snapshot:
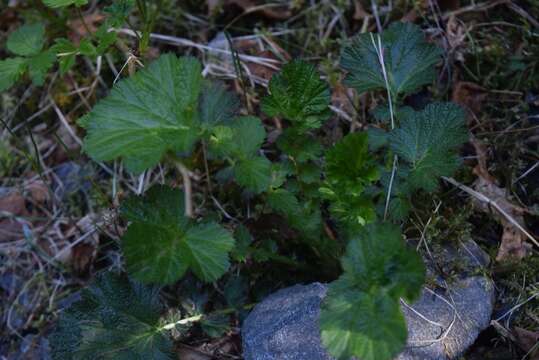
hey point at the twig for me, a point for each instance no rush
(483, 198)
(186, 188)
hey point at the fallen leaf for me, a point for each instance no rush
(527, 339)
(10, 230)
(82, 256)
(469, 95)
(13, 203)
(359, 11)
(80, 28)
(261, 71)
(513, 241)
(38, 191)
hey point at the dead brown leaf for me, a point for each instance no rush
(513, 242)
(527, 339)
(10, 229)
(469, 95)
(13, 203)
(359, 11)
(38, 191)
(80, 29)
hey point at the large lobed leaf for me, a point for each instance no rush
(428, 140)
(115, 319)
(361, 315)
(299, 95)
(28, 40)
(144, 116)
(409, 60)
(161, 244)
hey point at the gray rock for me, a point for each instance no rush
(442, 324)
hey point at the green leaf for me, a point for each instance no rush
(253, 173)
(360, 325)
(39, 65)
(302, 147)
(161, 243)
(27, 40)
(144, 116)
(118, 12)
(377, 259)
(217, 105)
(66, 52)
(243, 242)
(299, 95)
(409, 60)
(349, 161)
(215, 325)
(378, 270)
(240, 139)
(116, 319)
(283, 201)
(10, 71)
(64, 3)
(86, 48)
(428, 141)
(249, 134)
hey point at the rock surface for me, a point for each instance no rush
(442, 324)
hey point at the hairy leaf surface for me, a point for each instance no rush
(378, 270)
(428, 141)
(240, 141)
(161, 244)
(409, 60)
(361, 325)
(146, 115)
(299, 95)
(116, 318)
(349, 161)
(10, 71)
(27, 40)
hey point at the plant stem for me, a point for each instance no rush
(199, 317)
(186, 188)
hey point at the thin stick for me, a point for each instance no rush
(493, 203)
(380, 52)
(186, 188)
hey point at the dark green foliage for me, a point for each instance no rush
(161, 243)
(378, 270)
(147, 114)
(298, 95)
(409, 60)
(27, 43)
(349, 170)
(116, 318)
(427, 141)
(239, 143)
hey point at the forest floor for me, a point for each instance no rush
(54, 230)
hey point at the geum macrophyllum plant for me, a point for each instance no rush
(167, 110)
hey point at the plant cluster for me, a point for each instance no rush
(344, 202)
